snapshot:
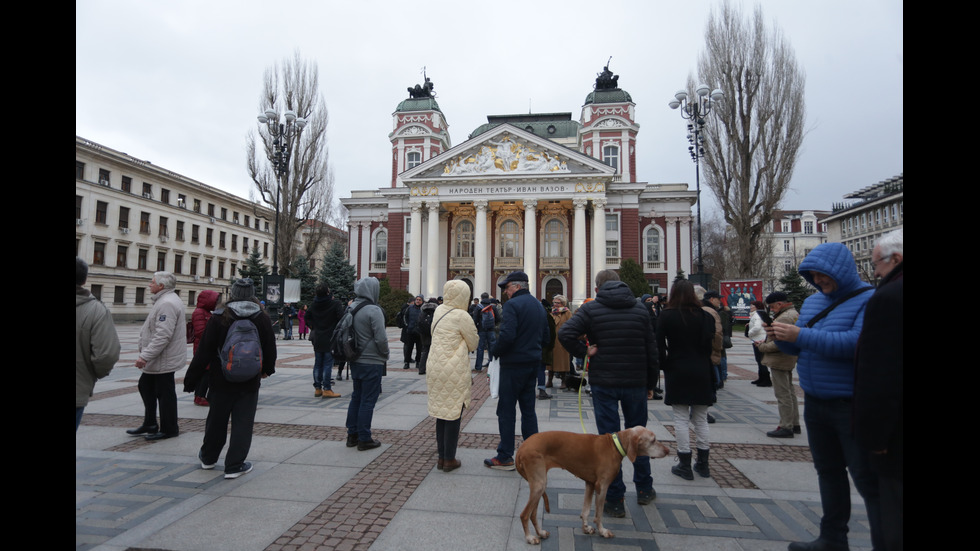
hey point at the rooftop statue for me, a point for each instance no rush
(423, 91)
(606, 80)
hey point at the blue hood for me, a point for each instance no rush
(836, 261)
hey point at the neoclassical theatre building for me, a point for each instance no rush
(554, 197)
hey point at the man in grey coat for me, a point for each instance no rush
(367, 370)
(96, 341)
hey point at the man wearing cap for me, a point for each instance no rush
(163, 351)
(825, 340)
(410, 333)
(523, 335)
(488, 336)
(229, 399)
(781, 368)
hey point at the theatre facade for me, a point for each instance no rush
(556, 198)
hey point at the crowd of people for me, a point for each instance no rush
(845, 343)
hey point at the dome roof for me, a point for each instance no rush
(614, 95)
(418, 104)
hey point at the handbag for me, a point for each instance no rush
(493, 371)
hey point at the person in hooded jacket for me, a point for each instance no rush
(322, 319)
(448, 377)
(96, 342)
(425, 331)
(207, 301)
(366, 370)
(825, 339)
(235, 400)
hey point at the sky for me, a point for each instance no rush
(177, 83)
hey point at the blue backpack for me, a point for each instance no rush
(241, 355)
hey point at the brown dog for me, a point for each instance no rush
(593, 458)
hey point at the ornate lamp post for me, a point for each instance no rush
(283, 131)
(696, 111)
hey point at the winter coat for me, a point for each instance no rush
(207, 301)
(214, 339)
(411, 315)
(425, 323)
(826, 351)
(560, 358)
(772, 357)
(523, 332)
(301, 316)
(163, 337)
(322, 317)
(548, 349)
(620, 328)
(369, 323)
(96, 344)
(685, 340)
(757, 333)
(447, 369)
(718, 341)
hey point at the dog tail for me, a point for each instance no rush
(547, 507)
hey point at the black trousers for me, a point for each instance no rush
(240, 407)
(447, 437)
(159, 388)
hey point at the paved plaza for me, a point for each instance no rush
(308, 491)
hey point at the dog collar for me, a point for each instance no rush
(618, 445)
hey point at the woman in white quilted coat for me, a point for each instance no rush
(448, 368)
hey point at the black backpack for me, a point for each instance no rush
(241, 355)
(344, 347)
(487, 320)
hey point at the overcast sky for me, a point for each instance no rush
(177, 83)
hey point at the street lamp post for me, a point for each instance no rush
(283, 132)
(696, 111)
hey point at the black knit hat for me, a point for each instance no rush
(242, 289)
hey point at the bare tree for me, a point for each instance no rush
(751, 152)
(307, 193)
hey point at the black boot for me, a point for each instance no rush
(683, 468)
(701, 464)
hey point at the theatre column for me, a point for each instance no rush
(598, 237)
(432, 279)
(415, 251)
(530, 244)
(365, 257)
(353, 230)
(481, 264)
(579, 274)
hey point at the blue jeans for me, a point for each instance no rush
(835, 452)
(487, 341)
(322, 368)
(367, 388)
(606, 402)
(723, 369)
(516, 389)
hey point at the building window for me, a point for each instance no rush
(554, 239)
(234, 266)
(211, 210)
(787, 266)
(182, 200)
(103, 177)
(78, 207)
(234, 217)
(246, 220)
(207, 267)
(140, 295)
(123, 217)
(118, 294)
(234, 242)
(79, 170)
(121, 251)
(380, 246)
(145, 223)
(510, 235)
(142, 259)
(612, 250)
(406, 255)
(165, 196)
(178, 263)
(414, 159)
(221, 269)
(265, 249)
(224, 213)
(164, 232)
(612, 223)
(193, 265)
(148, 190)
(197, 205)
(808, 227)
(221, 240)
(127, 184)
(245, 245)
(785, 245)
(651, 238)
(161, 261)
(101, 212)
(610, 156)
(195, 234)
(96, 291)
(191, 295)
(180, 230)
(98, 254)
(209, 240)
(464, 239)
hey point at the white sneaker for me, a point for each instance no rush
(245, 468)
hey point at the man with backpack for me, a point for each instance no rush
(368, 366)
(240, 346)
(322, 318)
(486, 317)
(408, 321)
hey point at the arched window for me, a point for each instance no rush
(610, 156)
(464, 239)
(652, 244)
(510, 235)
(554, 239)
(413, 159)
(380, 246)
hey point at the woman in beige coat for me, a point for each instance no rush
(447, 375)
(561, 360)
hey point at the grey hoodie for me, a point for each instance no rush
(369, 323)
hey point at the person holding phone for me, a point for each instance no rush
(756, 331)
(781, 367)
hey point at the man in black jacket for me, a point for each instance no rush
(230, 399)
(622, 369)
(322, 318)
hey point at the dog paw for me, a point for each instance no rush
(588, 529)
(544, 534)
(606, 533)
(533, 540)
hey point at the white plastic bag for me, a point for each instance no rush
(493, 371)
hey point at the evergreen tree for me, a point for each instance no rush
(254, 267)
(793, 284)
(338, 273)
(392, 300)
(300, 270)
(631, 273)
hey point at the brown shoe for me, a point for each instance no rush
(451, 465)
(317, 393)
(441, 463)
(330, 394)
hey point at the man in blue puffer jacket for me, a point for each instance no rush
(826, 350)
